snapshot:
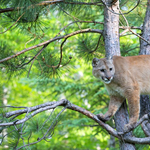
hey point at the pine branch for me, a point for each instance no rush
(46, 3)
(52, 40)
(43, 3)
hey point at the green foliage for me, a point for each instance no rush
(40, 82)
(138, 132)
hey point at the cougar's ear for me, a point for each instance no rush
(95, 61)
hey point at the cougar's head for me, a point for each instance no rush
(103, 69)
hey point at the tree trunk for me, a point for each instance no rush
(111, 30)
(145, 47)
(145, 50)
(112, 47)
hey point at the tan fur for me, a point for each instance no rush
(124, 77)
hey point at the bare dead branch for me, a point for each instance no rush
(34, 108)
(139, 36)
(52, 105)
(132, 27)
(51, 40)
(66, 104)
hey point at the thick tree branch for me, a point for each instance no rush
(52, 105)
(136, 140)
(146, 127)
(65, 103)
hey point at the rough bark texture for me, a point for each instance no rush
(121, 118)
(145, 50)
(111, 31)
(112, 47)
(145, 47)
(144, 105)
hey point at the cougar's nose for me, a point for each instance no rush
(108, 78)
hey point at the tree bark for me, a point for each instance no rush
(145, 50)
(112, 47)
(145, 47)
(111, 30)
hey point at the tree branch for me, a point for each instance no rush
(46, 3)
(51, 40)
(43, 3)
(65, 103)
(108, 6)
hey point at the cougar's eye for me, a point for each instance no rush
(102, 70)
(110, 69)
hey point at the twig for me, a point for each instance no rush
(131, 49)
(61, 53)
(12, 24)
(47, 118)
(81, 21)
(139, 36)
(83, 3)
(97, 44)
(119, 13)
(13, 106)
(132, 27)
(129, 29)
(35, 58)
(52, 125)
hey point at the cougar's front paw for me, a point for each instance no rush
(128, 127)
(102, 117)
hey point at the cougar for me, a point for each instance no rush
(124, 78)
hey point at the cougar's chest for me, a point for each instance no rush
(114, 89)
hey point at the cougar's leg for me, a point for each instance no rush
(114, 105)
(133, 97)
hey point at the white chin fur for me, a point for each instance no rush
(107, 82)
